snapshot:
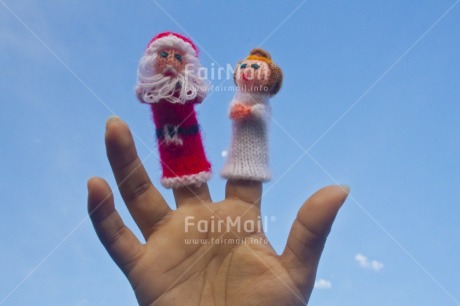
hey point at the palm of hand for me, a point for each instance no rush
(214, 267)
(192, 255)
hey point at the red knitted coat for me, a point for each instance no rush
(182, 156)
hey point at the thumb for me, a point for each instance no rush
(309, 232)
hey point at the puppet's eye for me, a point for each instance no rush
(164, 54)
(243, 66)
(255, 66)
(178, 57)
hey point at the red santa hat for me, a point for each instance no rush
(172, 40)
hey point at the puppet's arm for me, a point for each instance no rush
(239, 110)
(259, 110)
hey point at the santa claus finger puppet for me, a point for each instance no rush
(258, 78)
(169, 81)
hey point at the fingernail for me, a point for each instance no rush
(113, 118)
(345, 188)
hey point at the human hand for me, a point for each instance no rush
(240, 111)
(165, 270)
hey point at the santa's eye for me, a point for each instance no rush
(178, 57)
(255, 66)
(164, 54)
(242, 66)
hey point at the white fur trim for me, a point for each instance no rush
(171, 41)
(194, 179)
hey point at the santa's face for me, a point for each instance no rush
(169, 74)
(169, 62)
(252, 75)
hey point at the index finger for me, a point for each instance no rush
(144, 201)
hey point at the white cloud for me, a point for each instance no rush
(361, 259)
(224, 153)
(364, 262)
(376, 265)
(323, 284)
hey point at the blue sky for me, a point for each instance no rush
(371, 98)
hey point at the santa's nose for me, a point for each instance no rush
(169, 70)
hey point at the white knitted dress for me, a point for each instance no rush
(248, 153)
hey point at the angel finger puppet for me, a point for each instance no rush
(168, 80)
(257, 78)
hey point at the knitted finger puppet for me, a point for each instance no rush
(257, 79)
(169, 81)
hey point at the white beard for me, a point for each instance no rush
(180, 88)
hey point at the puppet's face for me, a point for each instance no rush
(252, 75)
(170, 62)
(162, 74)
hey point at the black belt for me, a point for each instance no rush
(172, 130)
